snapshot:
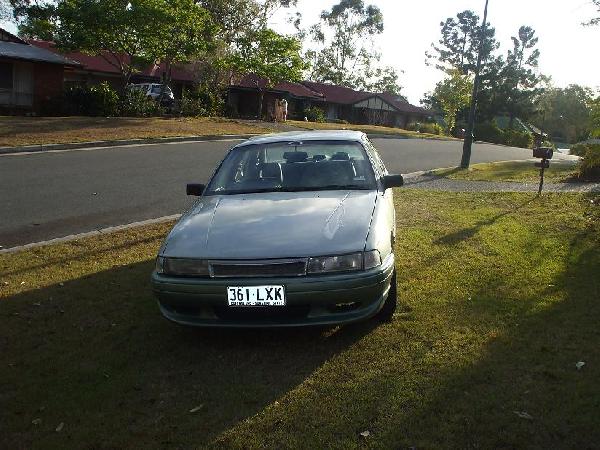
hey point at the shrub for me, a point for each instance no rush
(430, 128)
(97, 100)
(589, 164)
(202, 101)
(489, 132)
(314, 114)
(135, 103)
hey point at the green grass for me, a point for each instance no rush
(500, 299)
(521, 171)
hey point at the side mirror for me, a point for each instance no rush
(391, 181)
(195, 189)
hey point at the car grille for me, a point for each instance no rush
(268, 268)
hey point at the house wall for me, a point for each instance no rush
(47, 83)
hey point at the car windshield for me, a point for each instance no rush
(157, 88)
(294, 166)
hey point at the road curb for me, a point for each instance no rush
(73, 237)
(118, 143)
(153, 141)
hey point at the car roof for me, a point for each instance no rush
(325, 135)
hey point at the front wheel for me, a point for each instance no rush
(391, 302)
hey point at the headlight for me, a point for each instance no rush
(342, 263)
(182, 267)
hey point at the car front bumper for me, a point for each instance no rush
(312, 300)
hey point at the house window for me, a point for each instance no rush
(6, 75)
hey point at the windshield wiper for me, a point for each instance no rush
(329, 187)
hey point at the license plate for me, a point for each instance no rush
(256, 296)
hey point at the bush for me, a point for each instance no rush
(489, 132)
(430, 128)
(135, 103)
(98, 100)
(314, 114)
(589, 164)
(202, 101)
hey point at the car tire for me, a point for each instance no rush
(386, 313)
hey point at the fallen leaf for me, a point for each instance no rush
(365, 434)
(580, 365)
(196, 409)
(523, 415)
(22, 283)
(60, 427)
(36, 421)
(61, 284)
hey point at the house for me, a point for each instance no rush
(243, 97)
(342, 103)
(338, 103)
(95, 69)
(29, 76)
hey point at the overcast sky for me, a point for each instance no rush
(570, 53)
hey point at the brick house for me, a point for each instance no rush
(337, 102)
(29, 76)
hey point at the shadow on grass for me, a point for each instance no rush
(469, 232)
(96, 355)
(528, 368)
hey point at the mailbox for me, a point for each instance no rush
(543, 152)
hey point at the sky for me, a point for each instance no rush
(570, 53)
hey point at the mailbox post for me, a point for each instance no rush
(545, 154)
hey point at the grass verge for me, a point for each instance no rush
(15, 131)
(499, 300)
(560, 171)
(374, 129)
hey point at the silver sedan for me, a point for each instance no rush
(292, 229)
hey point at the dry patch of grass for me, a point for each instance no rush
(15, 131)
(519, 171)
(499, 297)
(374, 129)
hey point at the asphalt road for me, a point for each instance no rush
(49, 195)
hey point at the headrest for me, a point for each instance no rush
(271, 170)
(293, 157)
(340, 156)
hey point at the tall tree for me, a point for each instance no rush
(35, 18)
(459, 43)
(344, 52)
(519, 79)
(270, 56)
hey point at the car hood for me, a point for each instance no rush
(273, 225)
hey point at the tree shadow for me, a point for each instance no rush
(95, 354)
(468, 232)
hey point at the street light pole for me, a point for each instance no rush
(466, 156)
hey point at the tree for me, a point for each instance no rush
(459, 44)
(119, 31)
(518, 81)
(595, 117)
(182, 31)
(35, 18)
(452, 95)
(566, 113)
(270, 56)
(344, 52)
(595, 20)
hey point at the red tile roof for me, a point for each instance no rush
(96, 63)
(296, 89)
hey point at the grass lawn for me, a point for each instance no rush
(16, 131)
(523, 171)
(500, 299)
(365, 129)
